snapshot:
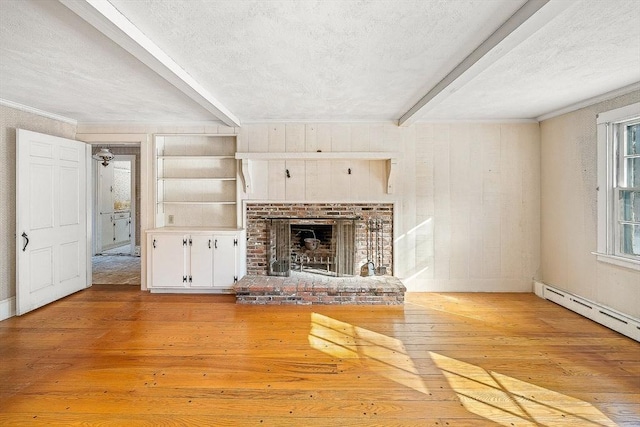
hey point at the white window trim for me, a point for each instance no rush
(605, 127)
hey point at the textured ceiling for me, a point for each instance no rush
(312, 60)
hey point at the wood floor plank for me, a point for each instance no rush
(112, 355)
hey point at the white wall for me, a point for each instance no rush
(467, 195)
(569, 214)
(10, 119)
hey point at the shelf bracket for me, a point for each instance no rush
(246, 175)
(392, 167)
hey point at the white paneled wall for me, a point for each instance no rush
(467, 196)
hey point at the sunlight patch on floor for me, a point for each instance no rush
(383, 355)
(509, 401)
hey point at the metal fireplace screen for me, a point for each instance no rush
(281, 256)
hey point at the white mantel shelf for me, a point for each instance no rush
(391, 157)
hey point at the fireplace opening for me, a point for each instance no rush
(372, 242)
(313, 248)
(320, 246)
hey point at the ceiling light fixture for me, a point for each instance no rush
(104, 155)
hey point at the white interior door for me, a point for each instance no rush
(52, 207)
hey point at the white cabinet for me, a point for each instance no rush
(121, 228)
(182, 260)
(115, 229)
(225, 253)
(167, 261)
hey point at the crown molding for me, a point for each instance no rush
(36, 111)
(591, 101)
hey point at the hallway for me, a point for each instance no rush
(116, 270)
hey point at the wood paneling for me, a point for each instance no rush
(112, 355)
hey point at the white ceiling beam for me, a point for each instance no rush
(526, 21)
(108, 20)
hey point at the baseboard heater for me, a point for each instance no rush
(606, 316)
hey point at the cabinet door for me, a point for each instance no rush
(225, 260)
(168, 255)
(106, 231)
(201, 261)
(122, 230)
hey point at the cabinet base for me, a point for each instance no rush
(191, 291)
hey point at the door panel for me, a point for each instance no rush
(51, 219)
(69, 261)
(168, 264)
(224, 261)
(122, 231)
(70, 198)
(40, 201)
(106, 231)
(202, 261)
(41, 277)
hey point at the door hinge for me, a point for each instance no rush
(235, 242)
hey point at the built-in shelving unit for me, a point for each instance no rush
(196, 178)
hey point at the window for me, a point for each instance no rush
(619, 186)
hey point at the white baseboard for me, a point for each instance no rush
(612, 319)
(7, 308)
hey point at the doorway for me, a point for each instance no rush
(116, 231)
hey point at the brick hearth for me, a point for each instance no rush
(307, 289)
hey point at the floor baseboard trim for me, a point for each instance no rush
(612, 319)
(7, 308)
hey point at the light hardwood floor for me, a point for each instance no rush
(113, 355)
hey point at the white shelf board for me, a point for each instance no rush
(196, 179)
(196, 203)
(324, 155)
(390, 157)
(196, 157)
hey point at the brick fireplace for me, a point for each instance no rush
(260, 218)
(326, 225)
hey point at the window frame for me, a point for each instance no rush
(608, 155)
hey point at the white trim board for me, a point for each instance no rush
(612, 319)
(7, 308)
(37, 112)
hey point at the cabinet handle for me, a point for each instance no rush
(154, 243)
(184, 279)
(209, 243)
(215, 244)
